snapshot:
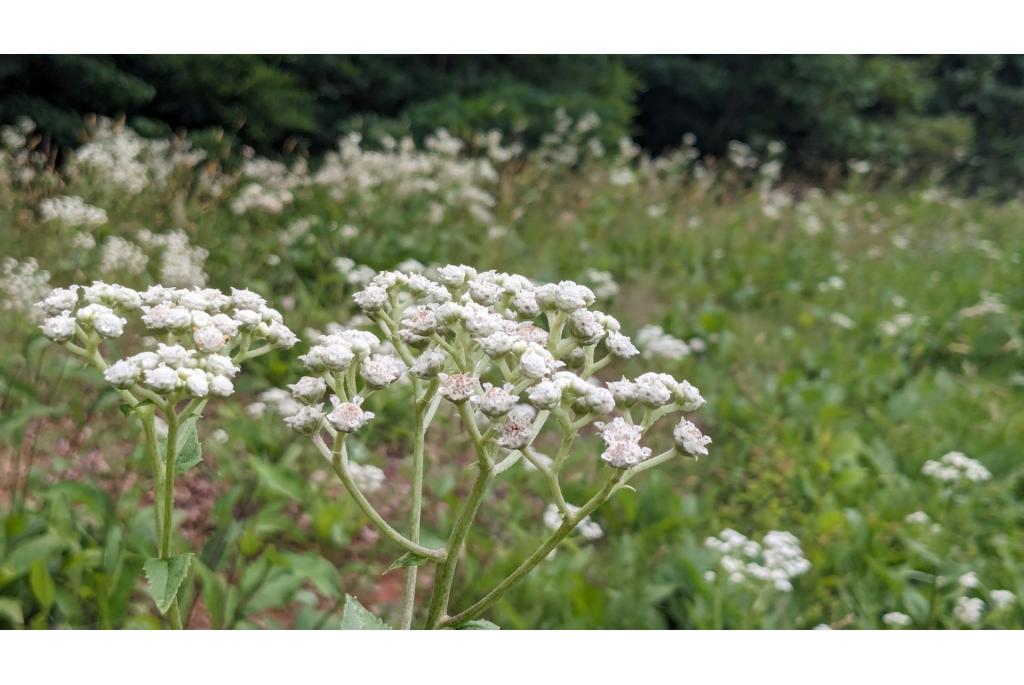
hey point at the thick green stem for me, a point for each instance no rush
(555, 324)
(168, 485)
(175, 615)
(541, 553)
(409, 596)
(445, 577)
(168, 492)
(149, 428)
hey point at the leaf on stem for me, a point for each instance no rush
(357, 617)
(165, 577)
(405, 561)
(190, 450)
(478, 624)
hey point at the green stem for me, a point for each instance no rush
(445, 577)
(541, 553)
(597, 366)
(168, 485)
(168, 493)
(409, 597)
(149, 428)
(551, 475)
(339, 462)
(555, 324)
(175, 615)
(670, 453)
(466, 413)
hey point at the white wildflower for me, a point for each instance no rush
(348, 417)
(689, 439)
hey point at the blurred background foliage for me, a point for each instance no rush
(957, 115)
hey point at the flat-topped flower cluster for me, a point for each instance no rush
(514, 357)
(476, 337)
(196, 338)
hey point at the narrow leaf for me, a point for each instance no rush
(215, 593)
(405, 561)
(276, 480)
(41, 582)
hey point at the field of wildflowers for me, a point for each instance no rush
(470, 430)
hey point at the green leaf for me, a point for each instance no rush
(405, 561)
(317, 570)
(21, 558)
(190, 450)
(96, 499)
(42, 584)
(165, 577)
(478, 624)
(275, 480)
(121, 588)
(11, 610)
(356, 617)
(215, 595)
(13, 422)
(276, 591)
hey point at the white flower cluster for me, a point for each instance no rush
(571, 142)
(776, 560)
(355, 274)
(267, 186)
(1002, 599)
(896, 619)
(602, 283)
(277, 400)
(655, 343)
(200, 328)
(954, 467)
(367, 477)
(476, 335)
(969, 580)
(268, 199)
(122, 256)
(439, 171)
(71, 210)
(587, 528)
(917, 518)
(20, 161)
(182, 264)
(130, 163)
(969, 610)
(991, 304)
(21, 284)
(898, 323)
(498, 152)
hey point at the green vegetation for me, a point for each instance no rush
(842, 339)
